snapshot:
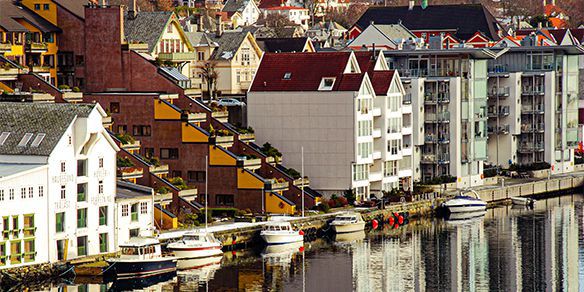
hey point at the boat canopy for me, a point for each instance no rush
(140, 242)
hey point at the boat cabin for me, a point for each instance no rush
(141, 248)
(348, 218)
(280, 226)
(199, 237)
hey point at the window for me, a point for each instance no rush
(82, 218)
(148, 152)
(365, 128)
(134, 210)
(100, 163)
(196, 176)
(141, 130)
(82, 167)
(79, 60)
(394, 146)
(224, 200)
(327, 83)
(365, 149)
(81, 192)
(364, 105)
(15, 252)
(201, 56)
(45, 6)
(168, 153)
(124, 210)
(28, 227)
(176, 173)
(23, 193)
(169, 28)
(390, 168)
(30, 192)
(24, 141)
(37, 7)
(15, 227)
(3, 137)
(61, 244)
(63, 193)
(29, 250)
(115, 107)
(1, 195)
(38, 139)
(48, 37)
(82, 246)
(41, 191)
(287, 76)
(122, 129)
(360, 172)
(2, 253)
(134, 232)
(100, 187)
(60, 222)
(144, 208)
(103, 242)
(103, 216)
(63, 163)
(11, 194)
(5, 227)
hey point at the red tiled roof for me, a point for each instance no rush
(306, 71)
(365, 60)
(286, 8)
(381, 81)
(558, 34)
(269, 3)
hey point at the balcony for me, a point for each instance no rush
(130, 172)
(177, 57)
(435, 159)
(530, 147)
(504, 129)
(9, 73)
(437, 117)
(195, 117)
(300, 182)
(375, 176)
(247, 137)
(226, 140)
(273, 160)
(27, 97)
(34, 47)
(158, 169)
(528, 109)
(276, 185)
(73, 97)
(5, 47)
(140, 48)
(193, 92)
(41, 69)
(376, 133)
(532, 90)
(107, 121)
(251, 163)
(376, 155)
(500, 92)
(130, 145)
(221, 116)
(502, 112)
(407, 99)
(376, 111)
(189, 193)
(498, 70)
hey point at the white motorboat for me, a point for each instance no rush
(280, 232)
(349, 222)
(141, 258)
(196, 245)
(464, 203)
(523, 201)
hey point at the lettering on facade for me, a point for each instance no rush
(62, 204)
(100, 200)
(100, 173)
(62, 178)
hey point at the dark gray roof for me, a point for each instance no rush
(9, 12)
(127, 190)
(146, 27)
(174, 73)
(77, 7)
(235, 5)
(282, 45)
(37, 118)
(229, 43)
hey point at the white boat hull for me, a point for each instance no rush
(271, 238)
(462, 205)
(187, 252)
(347, 228)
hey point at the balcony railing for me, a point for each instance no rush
(9, 73)
(34, 47)
(497, 69)
(274, 185)
(500, 91)
(435, 158)
(5, 47)
(73, 97)
(196, 117)
(530, 147)
(247, 137)
(158, 169)
(532, 90)
(503, 129)
(177, 57)
(532, 109)
(220, 115)
(131, 145)
(130, 172)
(437, 117)
(301, 182)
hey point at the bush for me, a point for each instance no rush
(154, 161)
(191, 219)
(491, 172)
(350, 196)
(529, 167)
(324, 206)
(125, 138)
(124, 162)
(76, 89)
(162, 190)
(64, 87)
(337, 202)
(579, 160)
(293, 173)
(445, 179)
(178, 182)
(270, 150)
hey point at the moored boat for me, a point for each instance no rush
(348, 222)
(523, 201)
(141, 258)
(196, 245)
(465, 203)
(280, 233)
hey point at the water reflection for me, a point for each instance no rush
(510, 249)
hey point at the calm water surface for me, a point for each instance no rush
(510, 249)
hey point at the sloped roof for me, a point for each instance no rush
(264, 4)
(235, 5)
(381, 80)
(306, 72)
(282, 45)
(10, 12)
(465, 18)
(395, 31)
(229, 43)
(77, 7)
(52, 119)
(146, 27)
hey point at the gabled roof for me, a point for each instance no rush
(235, 5)
(395, 31)
(148, 27)
(286, 8)
(282, 45)
(77, 7)
(306, 72)
(11, 12)
(380, 79)
(228, 44)
(51, 119)
(465, 18)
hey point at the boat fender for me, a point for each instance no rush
(301, 249)
(391, 220)
(301, 232)
(395, 214)
(400, 219)
(374, 223)
(396, 226)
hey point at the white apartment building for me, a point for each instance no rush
(533, 106)
(57, 183)
(448, 90)
(134, 211)
(297, 15)
(345, 110)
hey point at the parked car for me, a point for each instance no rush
(230, 102)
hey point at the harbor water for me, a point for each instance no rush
(511, 248)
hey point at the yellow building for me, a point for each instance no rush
(28, 36)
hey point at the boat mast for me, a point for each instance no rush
(206, 195)
(302, 177)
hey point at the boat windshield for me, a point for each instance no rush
(130, 251)
(346, 218)
(191, 237)
(278, 227)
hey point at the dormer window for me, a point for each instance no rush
(327, 83)
(287, 76)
